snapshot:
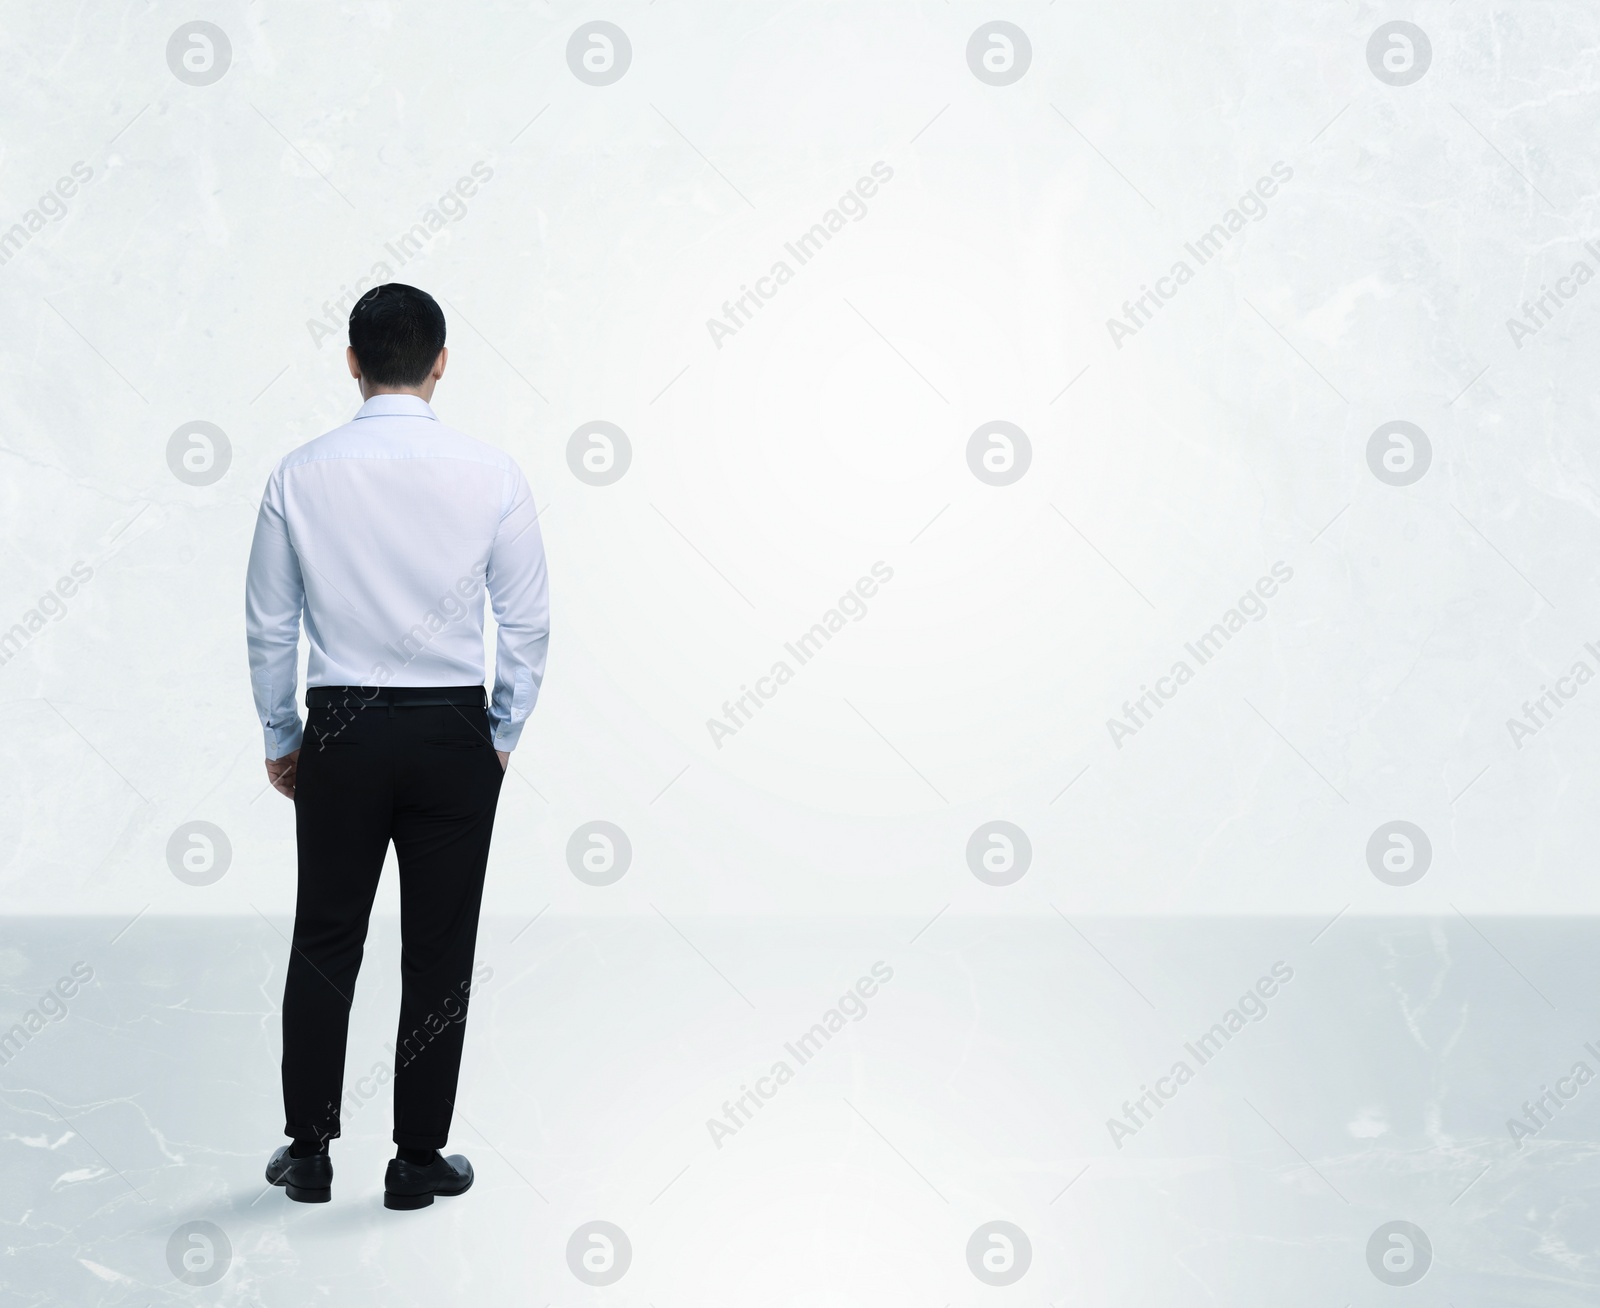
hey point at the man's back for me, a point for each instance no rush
(389, 529)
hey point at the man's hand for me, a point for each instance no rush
(504, 755)
(281, 772)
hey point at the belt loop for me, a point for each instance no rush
(391, 708)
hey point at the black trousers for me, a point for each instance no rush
(375, 768)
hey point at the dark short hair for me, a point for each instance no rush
(397, 332)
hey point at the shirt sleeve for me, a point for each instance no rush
(520, 599)
(274, 597)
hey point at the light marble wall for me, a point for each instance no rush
(1401, 228)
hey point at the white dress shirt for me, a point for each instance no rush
(386, 533)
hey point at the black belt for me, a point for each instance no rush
(355, 697)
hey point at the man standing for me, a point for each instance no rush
(387, 532)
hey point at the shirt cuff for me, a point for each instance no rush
(506, 735)
(284, 738)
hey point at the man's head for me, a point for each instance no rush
(396, 341)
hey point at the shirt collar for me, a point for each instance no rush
(395, 406)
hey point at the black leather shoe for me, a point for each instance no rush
(307, 1180)
(411, 1185)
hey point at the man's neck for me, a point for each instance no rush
(425, 395)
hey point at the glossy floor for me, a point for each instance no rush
(873, 1112)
